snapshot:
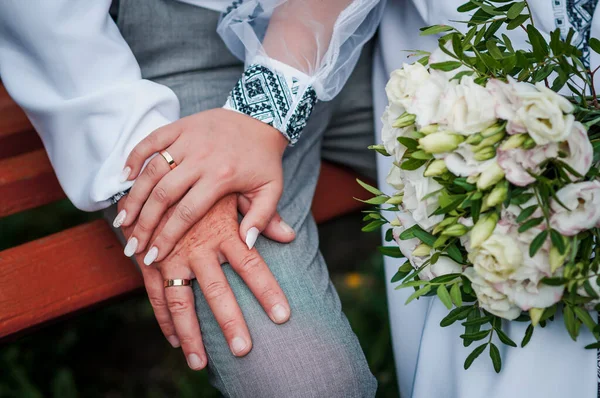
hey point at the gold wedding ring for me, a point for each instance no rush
(177, 282)
(167, 156)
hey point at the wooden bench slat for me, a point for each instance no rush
(12, 118)
(27, 181)
(65, 272)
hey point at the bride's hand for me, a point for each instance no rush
(217, 152)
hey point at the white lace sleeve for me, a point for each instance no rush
(296, 51)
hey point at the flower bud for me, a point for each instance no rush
(492, 175)
(493, 129)
(395, 222)
(536, 314)
(485, 153)
(395, 200)
(455, 230)
(380, 148)
(474, 139)
(492, 139)
(422, 250)
(529, 143)
(431, 128)
(473, 178)
(440, 142)
(513, 142)
(483, 229)
(421, 155)
(435, 168)
(497, 196)
(405, 120)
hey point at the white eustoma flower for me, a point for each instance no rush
(496, 258)
(491, 299)
(425, 102)
(395, 178)
(461, 162)
(579, 149)
(546, 115)
(403, 83)
(507, 101)
(517, 162)
(464, 107)
(528, 294)
(443, 266)
(582, 200)
(390, 134)
(421, 197)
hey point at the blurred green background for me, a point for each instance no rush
(118, 350)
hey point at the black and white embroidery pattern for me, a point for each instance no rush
(576, 14)
(118, 196)
(265, 95)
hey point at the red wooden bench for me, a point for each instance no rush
(80, 267)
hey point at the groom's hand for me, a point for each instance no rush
(209, 243)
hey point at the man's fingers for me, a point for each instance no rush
(258, 277)
(153, 281)
(261, 211)
(158, 140)
(180, 302)
(277, 229)
(222, 302)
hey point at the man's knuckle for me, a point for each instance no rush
(157, 302)
(250, 263)
(215, 290)
(229, 325)
(178, 306)
(185, 213)
(268, 294)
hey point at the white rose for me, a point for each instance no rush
(420, 198)
(583, 203)
(516, 162)
(443, 266)
(543, 115)
(579, 149)
(465, 107)
(404, 82)
(462, 162)
(490, 299)
(390, 134)
(496, 258)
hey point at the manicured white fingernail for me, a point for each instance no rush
(279, 313)
(251, 237)
(131, 247)
(151, 255)
(119, 219)
(286, 228)
(195, 362)
(238, 346)
(174, 341)
(125, 174)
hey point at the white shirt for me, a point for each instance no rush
(429, 358)
(67, 65)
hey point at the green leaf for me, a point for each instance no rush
(585, 318)
(377, 200)
(412, 164)
(508, 43)
(455, 315)
(493, 49)
(538, 43)
(369, 188)
(555, 281)
(455, 254)
(391, 251)
(466, 7)
(408, 233)
(530, 224)
(424, 236)
(409, 143)
(593, 346)
(558, 241)
(462, 182)
(524, 215)
(444, 278)
(444, 296)
(432, 30)
(373, 226)
(528, 334)
(570, 322)
(456, 201)
(515, 10)
(595, 45)
(462, 74)
(473, 355)
(478, 321)
(518, 21)
(496, 359)
(403, 270)
(476, 336)
(504, 338)
(446, 66)
(422, 291)
(456, 295)
(537, 242)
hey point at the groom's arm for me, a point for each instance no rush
(67, 65)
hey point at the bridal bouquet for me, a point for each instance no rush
(497, 206)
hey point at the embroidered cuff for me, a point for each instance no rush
(118, 196)
(269, 96)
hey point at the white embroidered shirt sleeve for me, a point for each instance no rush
(67, 65)
(296, 52)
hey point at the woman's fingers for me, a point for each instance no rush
(153, 281)
(261, 211)
(222, 302)
(194, 205)
(158, 140)
(277, 229)
(180, 302)
(250, 266)
(168, 191)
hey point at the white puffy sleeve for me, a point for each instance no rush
(66, 64)
(296, 52)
